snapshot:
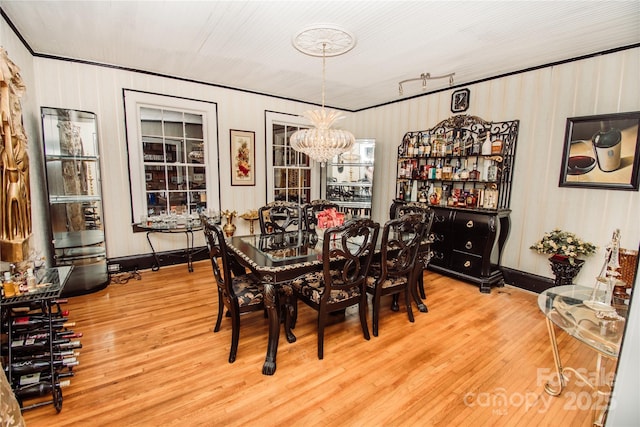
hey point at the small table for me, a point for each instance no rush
(159, 227)
(602, 331)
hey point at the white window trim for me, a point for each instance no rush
(133, 101)
(272, 118)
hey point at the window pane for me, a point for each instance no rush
(195, 151)
(178, 199)
(156, 203)
(196, 177)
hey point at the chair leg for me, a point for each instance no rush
(220, 312)
(322, 320)
(363, 316)
(235, 336)
(394, 303)
(407, 300)
(421, 284)
(376, 314)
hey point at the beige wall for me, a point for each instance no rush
(542, 100)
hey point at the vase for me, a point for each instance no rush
(564, 270)
(229, 228)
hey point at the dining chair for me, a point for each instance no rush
(347, 251)
(238, 291)
(313, 207)
(400, 208)
(395, 272)
(280, 216)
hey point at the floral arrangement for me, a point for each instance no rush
(558, 242)
(329, 218)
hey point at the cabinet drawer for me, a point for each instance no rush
(470, 223)
(470, 242)
(467, 263)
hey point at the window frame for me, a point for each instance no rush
(272, 119)
(133, 102)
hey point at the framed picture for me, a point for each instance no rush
(460, 100)
(243, 157)
(602, 152)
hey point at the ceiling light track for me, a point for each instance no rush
(423, 78)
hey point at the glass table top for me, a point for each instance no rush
(601, 330)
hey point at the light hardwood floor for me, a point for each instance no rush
(150, 358)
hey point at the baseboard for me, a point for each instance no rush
(146, 261)
(527, 281)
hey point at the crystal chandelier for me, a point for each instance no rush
(322, 143)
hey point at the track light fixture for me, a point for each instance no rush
(424, 77)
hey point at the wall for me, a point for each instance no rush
(542, 100)
(99, 90)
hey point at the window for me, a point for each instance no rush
(171, 144)
(294, 177)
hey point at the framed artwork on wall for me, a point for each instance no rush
(460, 100)
(243, 157)
(602, 152)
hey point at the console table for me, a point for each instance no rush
(159, 227)
(564, 307)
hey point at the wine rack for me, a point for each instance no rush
(38, 349)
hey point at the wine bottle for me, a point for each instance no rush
(42, 335)
(33, 323)
(486, 146)
(41, 377)
(34, 347)
(56, 355)
(30, 366)
(39, 389)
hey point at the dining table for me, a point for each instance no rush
(276, 259)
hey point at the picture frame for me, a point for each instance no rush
(602, 151)
(243, 147)
(460, 100)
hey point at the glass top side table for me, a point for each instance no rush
(602, 331)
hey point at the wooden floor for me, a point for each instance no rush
(150, 358)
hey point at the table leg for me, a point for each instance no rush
(273, 308)
(156, 266)
(189, 251)
(550, 389)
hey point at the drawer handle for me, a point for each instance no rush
(470, 224)
(468, 245)
(467, 264)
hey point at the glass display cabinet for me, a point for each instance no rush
(75, 204)
(348, 179)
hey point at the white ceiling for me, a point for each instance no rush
(247, 44)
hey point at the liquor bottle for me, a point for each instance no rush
(411, 148)
(427, 144)
(8, 286)
(420, 150)
(455, 175)
(423, 194)
(31, 280)
(439, 169)
(39, 389)
(492, 172)
(449, 146)
(475, 146)
(486, 146)
(464, 173)
(401, 192)
(474, 174)
(447, 171)
(496, 146)
(457, 144)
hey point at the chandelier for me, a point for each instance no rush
(322, 143)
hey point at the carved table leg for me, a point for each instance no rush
(273, 308)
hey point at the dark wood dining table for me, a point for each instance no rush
(277, 259)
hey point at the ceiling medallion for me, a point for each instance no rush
(324, 40)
